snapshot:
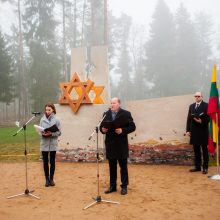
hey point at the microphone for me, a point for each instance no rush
(36, 113)
(106, 111)
(96, 128)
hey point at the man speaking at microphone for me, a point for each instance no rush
(116, 142)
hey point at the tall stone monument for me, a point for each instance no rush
(87, 66)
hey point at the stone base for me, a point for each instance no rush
(79, 155)
(180, 154)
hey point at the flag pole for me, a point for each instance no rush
(217, 176)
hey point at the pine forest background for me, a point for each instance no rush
(175, 57)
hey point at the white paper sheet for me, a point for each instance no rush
(38, 128)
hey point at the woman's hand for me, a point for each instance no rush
(47, 134)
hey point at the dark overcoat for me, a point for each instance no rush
(199, 131)
(117, 144)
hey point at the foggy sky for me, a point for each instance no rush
(140, 10)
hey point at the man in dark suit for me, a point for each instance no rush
(197, 129)
(116, 142)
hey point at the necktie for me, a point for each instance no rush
(197, 105)
(113, 115)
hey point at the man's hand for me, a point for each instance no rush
(104, 130)
(187, 133)
(46, 134)
(198, 120)
(118, 130)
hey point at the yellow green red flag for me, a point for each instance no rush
(213, 112)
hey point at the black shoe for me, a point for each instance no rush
(52, 183)
(195, 170)
(110, 190)
(124, 191)
(47, 183)
(205, 171)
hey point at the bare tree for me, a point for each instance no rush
(64, 42)
(106, 22)
(74, 27)
(83, 21)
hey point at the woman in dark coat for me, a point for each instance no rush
(116, 142)
(197, 129)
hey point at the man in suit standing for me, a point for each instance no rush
(116, 142)
(197, 129)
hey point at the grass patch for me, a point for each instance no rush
(12, 147)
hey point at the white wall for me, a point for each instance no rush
(157, 120)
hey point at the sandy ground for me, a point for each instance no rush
(154, 193)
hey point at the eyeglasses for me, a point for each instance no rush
(197, 96)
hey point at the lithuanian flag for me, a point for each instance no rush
(213, 112)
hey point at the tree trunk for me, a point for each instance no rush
(74, 27)
(83, 20)
(105, 22)
(64, 44)
(92, 24)
(6, 111)
(23, 85)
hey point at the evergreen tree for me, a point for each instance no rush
(44, 67)
(71, 18)
(94, 25)
(218, 48)
(204, 33)
(124, 68)
(113, 37)
(160, 52)
(72, 12)
(187, 58)
(6, 86)
(13, 45)
(141, 87)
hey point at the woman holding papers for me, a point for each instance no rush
(49, 141)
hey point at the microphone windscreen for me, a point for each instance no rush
(36, 113)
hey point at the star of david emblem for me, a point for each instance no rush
(82, 90)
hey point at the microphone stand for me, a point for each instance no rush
(98, 199)
(27, 192)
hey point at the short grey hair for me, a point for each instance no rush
(119, 100)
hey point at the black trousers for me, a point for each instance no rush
(49, 157)
(123, 170)
(205, 156)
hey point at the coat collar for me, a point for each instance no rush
(200, 103)
(49, 119)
